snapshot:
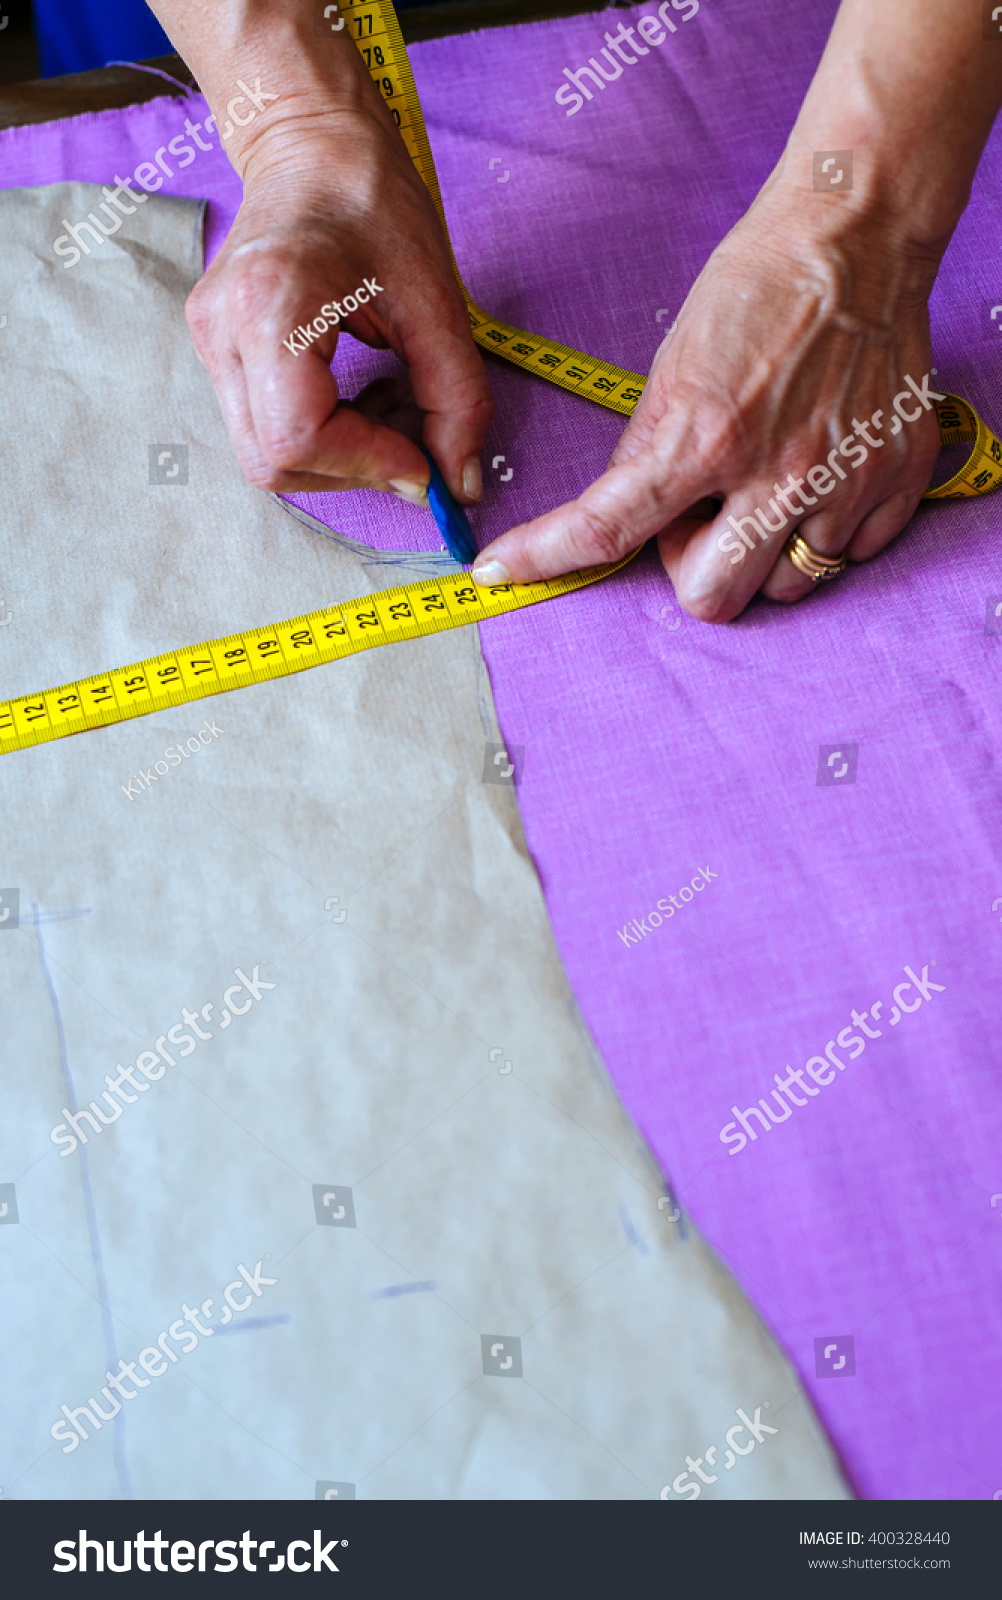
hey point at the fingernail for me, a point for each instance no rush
(473, 483)
(488, 572)
(409, 489)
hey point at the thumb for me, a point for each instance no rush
(622, 509)
(449, 383)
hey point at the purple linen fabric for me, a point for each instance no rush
(657, 747)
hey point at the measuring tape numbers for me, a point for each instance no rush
(374, 27)
(258, 655)
(959, 423)
(414, 610)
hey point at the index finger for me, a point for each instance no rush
(626, 506)
(300, 427)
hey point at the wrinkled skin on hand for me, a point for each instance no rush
(328, 202)
(805, 318)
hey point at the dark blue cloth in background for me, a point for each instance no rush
(77, 35)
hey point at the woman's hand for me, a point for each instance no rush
(331, 199)
(802, 328)
(325, 208)
(804, 325)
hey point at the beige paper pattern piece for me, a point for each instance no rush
(475, 1291)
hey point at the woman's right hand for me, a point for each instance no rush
(331, 199)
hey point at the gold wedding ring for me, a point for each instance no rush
(811, 562)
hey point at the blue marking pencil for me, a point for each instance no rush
(451, 519)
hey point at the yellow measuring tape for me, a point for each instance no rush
(258, 654)
(418, 609)
(959, 423)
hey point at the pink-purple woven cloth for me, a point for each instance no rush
(667, 758)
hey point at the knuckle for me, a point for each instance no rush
(256, 290)
(599, 535)
(479, 413)
(286, 454)
(199, 317)
(789, 597)
(289, 439)
(710, 607)
(265, 475)
(719, 432)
